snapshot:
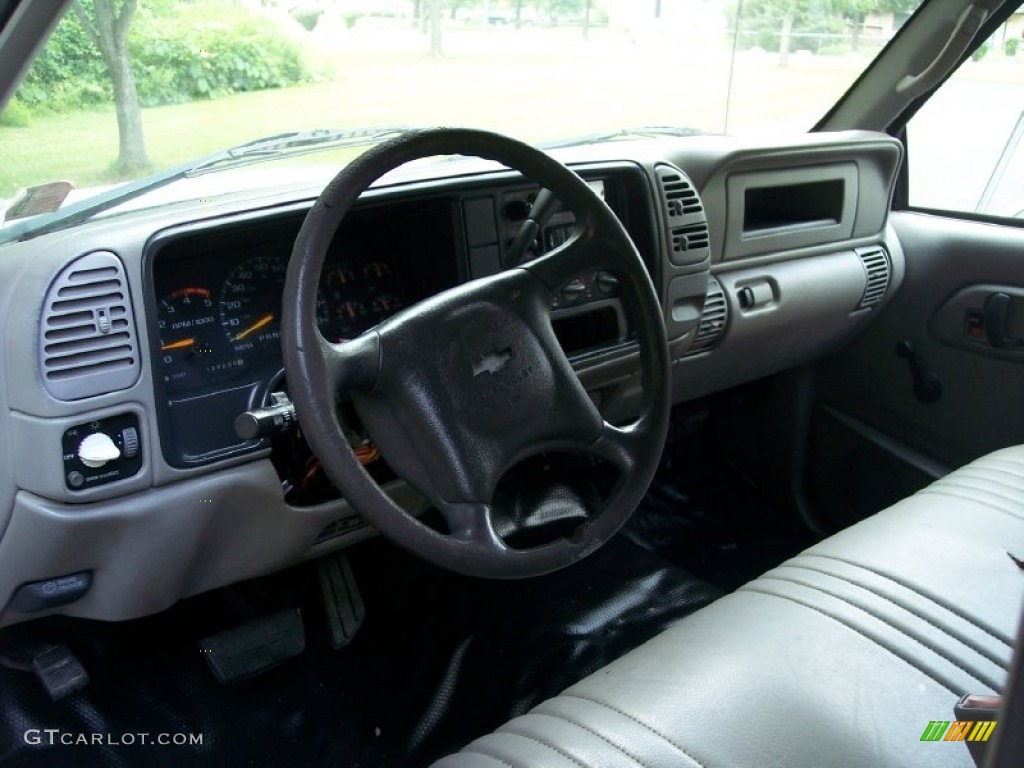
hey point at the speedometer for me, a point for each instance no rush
(250, 305)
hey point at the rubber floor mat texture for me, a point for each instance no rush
(440, 660)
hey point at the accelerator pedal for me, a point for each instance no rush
(342, 602)
(254, 647)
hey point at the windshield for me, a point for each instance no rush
(123, 90)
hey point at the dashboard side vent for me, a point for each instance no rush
(87, 341)
(878, 271)
(713, 319)
(678, 193)
(686, 226)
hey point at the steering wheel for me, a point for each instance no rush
(462, 386)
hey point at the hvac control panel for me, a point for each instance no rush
(101, 452)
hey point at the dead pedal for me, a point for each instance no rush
(254, 647)
(342, 602)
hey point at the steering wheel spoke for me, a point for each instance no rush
(473, 523)
(579, 254)
(353, 364)
(619, 446)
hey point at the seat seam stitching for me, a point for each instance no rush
(612, 744)
(1017, 464)
(984, 503)
(506, 730)
(987, 630)
(959, 483)
(956, 636)
(856, 631)
(1016, 491)
(636, 720)
(889, 624)
(982, 468)
(471, 749)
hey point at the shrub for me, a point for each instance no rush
(192, 54)
(307, 17)
(1010, 46)
(980, 51)
(350, 20)
(16, 115)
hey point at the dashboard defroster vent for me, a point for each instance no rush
(878, 270)
(686, 226)
(713, 320)
(87, 341)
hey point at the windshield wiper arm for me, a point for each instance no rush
(642, 132)
(249, 153)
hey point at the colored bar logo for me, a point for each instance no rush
(958, 730)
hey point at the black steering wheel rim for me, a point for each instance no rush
(443, 430)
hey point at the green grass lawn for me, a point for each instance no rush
(534, 84)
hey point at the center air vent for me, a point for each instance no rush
(87, 343)
(878, 271)
(678, 193)
(713, 320)
(686, 226)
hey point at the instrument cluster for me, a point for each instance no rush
(222, 319)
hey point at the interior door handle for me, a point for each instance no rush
(997, 310)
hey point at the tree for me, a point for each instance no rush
(107, 28)
(435, 27)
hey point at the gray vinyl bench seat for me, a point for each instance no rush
(841, 656)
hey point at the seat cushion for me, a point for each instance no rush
(841, 656)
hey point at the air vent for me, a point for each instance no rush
(686, 226)
(713, 319)
(677, 192)
(685, 239)
(87, 343)
(879, 271)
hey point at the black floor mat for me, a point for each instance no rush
(440, 660)
(704, 514)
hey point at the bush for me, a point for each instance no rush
(193, 54)
(980, 51)
(1010, 46)
(16, 115)
(307, 17)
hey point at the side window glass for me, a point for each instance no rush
(966, 144)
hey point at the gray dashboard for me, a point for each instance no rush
(765, 256)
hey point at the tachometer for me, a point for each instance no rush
(190, 343)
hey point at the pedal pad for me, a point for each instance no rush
(254, 647)
(342, 601)
(58, 670)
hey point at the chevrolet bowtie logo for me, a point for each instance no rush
(493, 362)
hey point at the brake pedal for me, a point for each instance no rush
(342, 602)
(254, 647)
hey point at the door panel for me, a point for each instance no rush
(874, 429)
